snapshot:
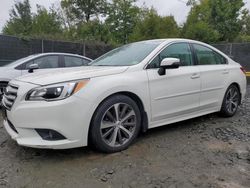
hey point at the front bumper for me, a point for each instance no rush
(70, 117)
(32, 139)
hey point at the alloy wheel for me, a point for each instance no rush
(118, 125)
(232, 100)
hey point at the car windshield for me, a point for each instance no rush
(127, 55)
(17, 62)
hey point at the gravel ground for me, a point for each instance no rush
(205, 152)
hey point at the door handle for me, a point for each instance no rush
(225, 71)
(195, 76)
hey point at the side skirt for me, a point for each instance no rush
(183, 117)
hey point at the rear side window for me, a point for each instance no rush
(181, 51)
(71, 61)
(86, 61)
(207, 56)
(47, 62)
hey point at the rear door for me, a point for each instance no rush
(214, 75)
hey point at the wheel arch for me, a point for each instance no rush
(138, 101)
(226, 88)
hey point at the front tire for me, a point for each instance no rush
(115, 124)
(231, 101)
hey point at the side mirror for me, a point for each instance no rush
(168, 63)
(33, 67)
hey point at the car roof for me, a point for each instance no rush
(163, 42)
(167, 41)
(59, 53)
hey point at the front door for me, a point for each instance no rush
(177, 93)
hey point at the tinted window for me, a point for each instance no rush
(86, 61)
(71, 61)
(181, 51)
(46, 62)
(220, 59)
(127, 55)
(207, 56)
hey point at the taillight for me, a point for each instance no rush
(243, 70)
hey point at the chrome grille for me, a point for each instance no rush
(9, 97)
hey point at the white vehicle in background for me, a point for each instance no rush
(43, 61)
(128, 90)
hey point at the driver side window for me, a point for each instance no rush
(181, 51)
(46, 62)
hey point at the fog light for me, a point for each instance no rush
(50, 135)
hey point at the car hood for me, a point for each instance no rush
(3, 69)
(7, 73)
(69, 74)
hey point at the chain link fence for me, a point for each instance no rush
(13, 48)
(240, 52)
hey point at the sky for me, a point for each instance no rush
(177, 8)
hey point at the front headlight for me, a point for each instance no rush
(55, 92)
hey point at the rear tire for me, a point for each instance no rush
(115, 124)
(231, 101)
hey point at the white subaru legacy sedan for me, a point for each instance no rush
(129, 90)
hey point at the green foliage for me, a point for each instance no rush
(214, 20)
(122, 18)
(245, 32)
(84, 10)
(20, 22)
(191, 2)
(201, 31)
(23, 23)
(245, 22)
(197, 26)
(93, 30)
(225, 18)
(243, 38)
(46, 23)
(81, 20)
(153, 26)
(122, 21)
